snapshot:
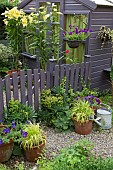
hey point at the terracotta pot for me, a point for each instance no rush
(6, 151)
(84, 128)
(10, 72)
(32, 154)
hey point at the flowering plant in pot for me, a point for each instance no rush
(8, 135)
(33, 141)
(76, 36)
(81, 113)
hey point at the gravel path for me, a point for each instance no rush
(102, 139)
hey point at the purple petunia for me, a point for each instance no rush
(1, 141)
(24, 134)
(76, 30)
(70, 26)
(13, 125)
(70, 33)
(6, 130)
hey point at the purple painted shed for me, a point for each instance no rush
(100, 12)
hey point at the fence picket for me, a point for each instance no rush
(86, 75)
(81, 76)
(15, 86)
(8, 89)
(42, 80)
(1, 100)
(29, 90)
(72, 75)
(36, 89)
(67, 77)
(56, 76)
(62, 72)
(22, 87)
(76, 77)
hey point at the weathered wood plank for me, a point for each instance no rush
(29, 87)
(72, 75)
(22, 87)
(47, 79)
(62, 72)
(8, 89)
(67, 77)
(36, 89)
(81, 78)
(42, 80)
(1, 100)
(15, 86)
(76, 77)
(86, 72)
(56, 76)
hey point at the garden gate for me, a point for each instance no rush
(27, 87)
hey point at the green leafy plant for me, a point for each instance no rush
(55, 107)
(18, 112)
(81, 111)
(32, 135)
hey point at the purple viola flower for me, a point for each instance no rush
(28, 122)
(1, 121)
(70, 26)
(86, 30)
(13, 125)
(24, 134)
(90, 30)
(1, 141)
(64, 33)
(81, 31)
(98, 101)
(6, 130)
(76, 30)
(70, 33)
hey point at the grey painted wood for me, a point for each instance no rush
(76, 77)
(15, 86)
(90, 4)
(72, 75)
(29, 86)
(22, 87)
(75, 7)
(86, 75)
(62, 73)
(36, 89)
(47, 80)
(56, 76)
(81, 78)
(67, 76)
(8, 89)
(42, 80)
(1, 100)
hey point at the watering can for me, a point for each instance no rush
(104, 116)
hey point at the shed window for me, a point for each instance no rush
(80, 21)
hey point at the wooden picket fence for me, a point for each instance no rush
(28, 86)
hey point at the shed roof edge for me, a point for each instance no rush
(90, 4)
(23, 4)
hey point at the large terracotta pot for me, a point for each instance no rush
(84, 128)
(6, 151)
(32, 154)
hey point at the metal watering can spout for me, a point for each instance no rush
(97, 121)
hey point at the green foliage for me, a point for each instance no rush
(69, 158)
(55, 107)
(3, 167)
(18, 112)
(81, 111)
(35, 136)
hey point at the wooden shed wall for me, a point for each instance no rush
(31, 4)
(100, 57)
(72, 6)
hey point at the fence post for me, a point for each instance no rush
(51, 68)
(87, 58)
(1, 100)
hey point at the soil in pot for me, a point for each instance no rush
(6, 151)
(84, 128)
(32, 155)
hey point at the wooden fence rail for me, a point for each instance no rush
(27, 87)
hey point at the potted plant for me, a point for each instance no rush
(81, 113)
(104, 34)
(33, 141)
(75, 36)
(8, 135)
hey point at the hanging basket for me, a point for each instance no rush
(74, 43)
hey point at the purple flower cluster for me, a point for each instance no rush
(93, 101)
(24, 134)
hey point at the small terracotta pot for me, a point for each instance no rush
(10, 72)
(6, 151)
(83, 128)
(32, 154)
